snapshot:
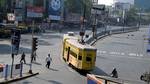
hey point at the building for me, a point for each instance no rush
(122, 6)
(95, 2)
(125, 1)
(143, 4)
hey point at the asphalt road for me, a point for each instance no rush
(125, 52)
(114, 51)
(59, 72)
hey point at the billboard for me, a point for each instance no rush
(54, 9)
(35, 12)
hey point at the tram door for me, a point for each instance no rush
(68, 53)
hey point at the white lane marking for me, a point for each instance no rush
(132, 54)
(115, 53)
(120, 53)
(101, 52)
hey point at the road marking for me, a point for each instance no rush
(132, 54)
(120, 53)
(101, 52)
(115, 53)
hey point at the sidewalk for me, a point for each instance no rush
(16, 78)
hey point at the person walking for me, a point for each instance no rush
(48, 61)
(23, 58)
(114, 73)
(33, 57)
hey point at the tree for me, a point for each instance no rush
(131, 16)
(77, 6)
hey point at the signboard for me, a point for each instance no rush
(11, 16)
(35, 12)
(15, 40)
(19, 4)
(19, 14)
(54, 9)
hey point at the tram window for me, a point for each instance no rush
(80, 58)
(66, 49)
(73, 54)
(88, 59)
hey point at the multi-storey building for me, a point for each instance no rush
(94, 2)
(143, 4)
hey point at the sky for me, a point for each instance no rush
(106, 2)
(109, 2)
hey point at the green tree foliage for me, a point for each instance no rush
(77, 6)
(132, 15)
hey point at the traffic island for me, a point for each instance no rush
(17, 78)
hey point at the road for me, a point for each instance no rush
(60, 73)
(126, 52)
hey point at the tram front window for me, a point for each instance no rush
(88, 59)
(80, 58)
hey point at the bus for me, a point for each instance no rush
(82, 56)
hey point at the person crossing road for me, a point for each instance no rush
(48, 61)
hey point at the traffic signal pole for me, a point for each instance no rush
(30, 70)
(12, 55)
(15, 40)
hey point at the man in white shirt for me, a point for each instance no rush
(48, 61)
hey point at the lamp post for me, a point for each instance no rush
(123, 16)
(30, 70)
(139, 23)
(82, 19)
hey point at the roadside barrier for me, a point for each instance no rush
(5, 70)
(104, 33)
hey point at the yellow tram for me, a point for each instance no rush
(81, 56)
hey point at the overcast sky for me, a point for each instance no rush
(109, 2)
(106, 2)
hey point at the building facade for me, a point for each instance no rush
(143, 4)
(95, 2)
(125, 1)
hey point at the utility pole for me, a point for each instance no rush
(30, 70)
(139, 24)
(82, 30)
(123, 16)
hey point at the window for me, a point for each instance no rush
(73, 54)
(80, 58)
(88, 59)
(66, 49)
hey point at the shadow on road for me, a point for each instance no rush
(53, 69)
(54, 82)
(50, 81)
(37, 63)
(26, 82)
(98, 71)
(6, 49)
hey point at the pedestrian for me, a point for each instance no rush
(114, 73)
(23, 58)
(33, 58)
(48, 61)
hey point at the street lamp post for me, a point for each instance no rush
(30, 70)
(82, 19)
(139, 24)
(123, 15)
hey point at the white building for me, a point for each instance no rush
(124, 1)
(95, 2)
(122, 6)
